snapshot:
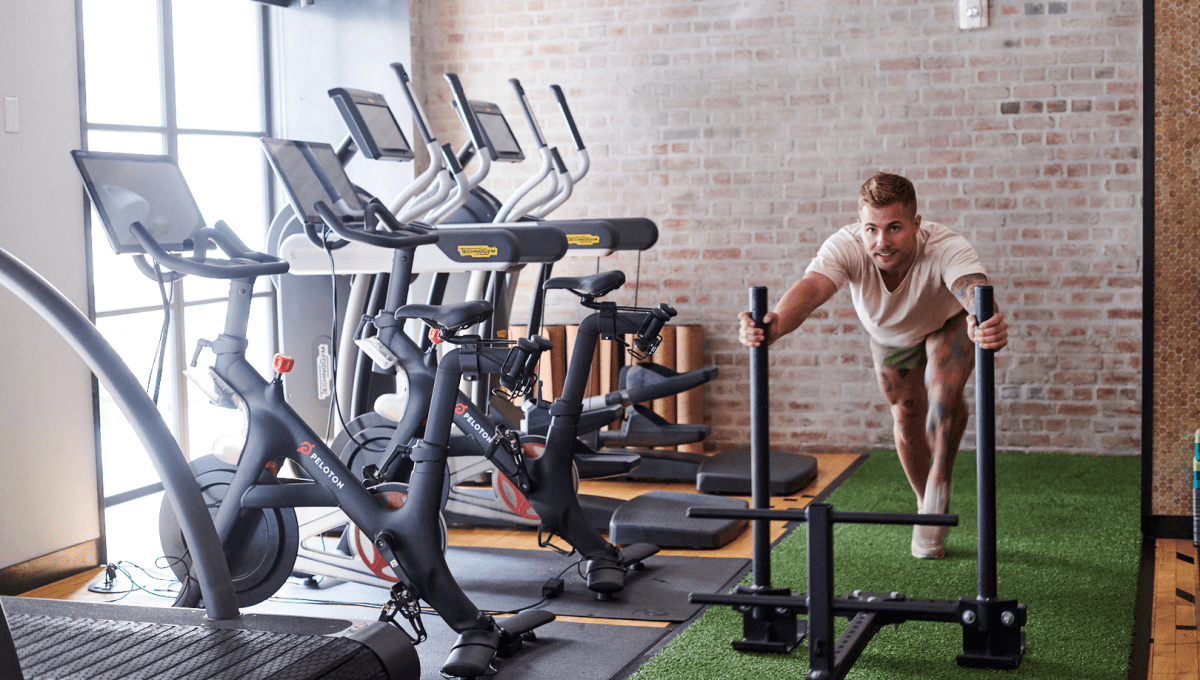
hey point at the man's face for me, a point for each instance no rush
(889, 235)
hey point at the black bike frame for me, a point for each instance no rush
(408, 537)
(553, 494)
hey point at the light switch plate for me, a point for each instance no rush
(12, 117)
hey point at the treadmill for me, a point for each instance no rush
(46, 638)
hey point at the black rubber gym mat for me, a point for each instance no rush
(504, 579)
(563, 649)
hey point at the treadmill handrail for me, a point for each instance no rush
(179, 483)
(507, 208)
(548, 192)
(432, 147)
(460, 247)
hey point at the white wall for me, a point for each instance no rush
(48, 487)
(342, 43)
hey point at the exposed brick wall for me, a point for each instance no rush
(745, 128)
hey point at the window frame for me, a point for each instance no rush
(170, 132)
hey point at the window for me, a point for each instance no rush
(185, 78)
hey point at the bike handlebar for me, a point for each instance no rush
(400, 236)
(241, 263)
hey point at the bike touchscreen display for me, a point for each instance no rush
(310, 172)
(127, 188)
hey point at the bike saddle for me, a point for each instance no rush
(448, 317)
(596, 285)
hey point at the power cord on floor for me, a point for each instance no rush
(551, 589)
(113, 571)
(112, 583)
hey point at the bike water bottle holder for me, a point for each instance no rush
(216, 389)
(518, 370)
(648, 337)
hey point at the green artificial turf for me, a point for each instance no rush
(1068, 545)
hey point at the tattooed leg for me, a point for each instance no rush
(904, 389)
(951, 360)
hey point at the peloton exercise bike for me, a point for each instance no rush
(536, 480)
(374, 440)
(147, 209)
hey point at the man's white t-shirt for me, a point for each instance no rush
(921, 304)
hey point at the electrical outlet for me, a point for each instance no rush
(972, 14)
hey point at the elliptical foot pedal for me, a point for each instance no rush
(518, 628)
(604, 577)
(632, 555)
(605, 464)
(599, 510)
(660, 518)
(729, 473)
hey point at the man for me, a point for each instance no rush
(912, 285)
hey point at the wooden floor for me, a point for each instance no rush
(829, 468)
(1174, 648)
(1174, 652)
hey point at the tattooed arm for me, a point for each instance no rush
(794, 307)
(993, 333)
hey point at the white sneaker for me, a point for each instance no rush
(929, 542)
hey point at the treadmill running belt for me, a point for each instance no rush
(60, 647)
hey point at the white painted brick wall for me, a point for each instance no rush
(744, 129)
